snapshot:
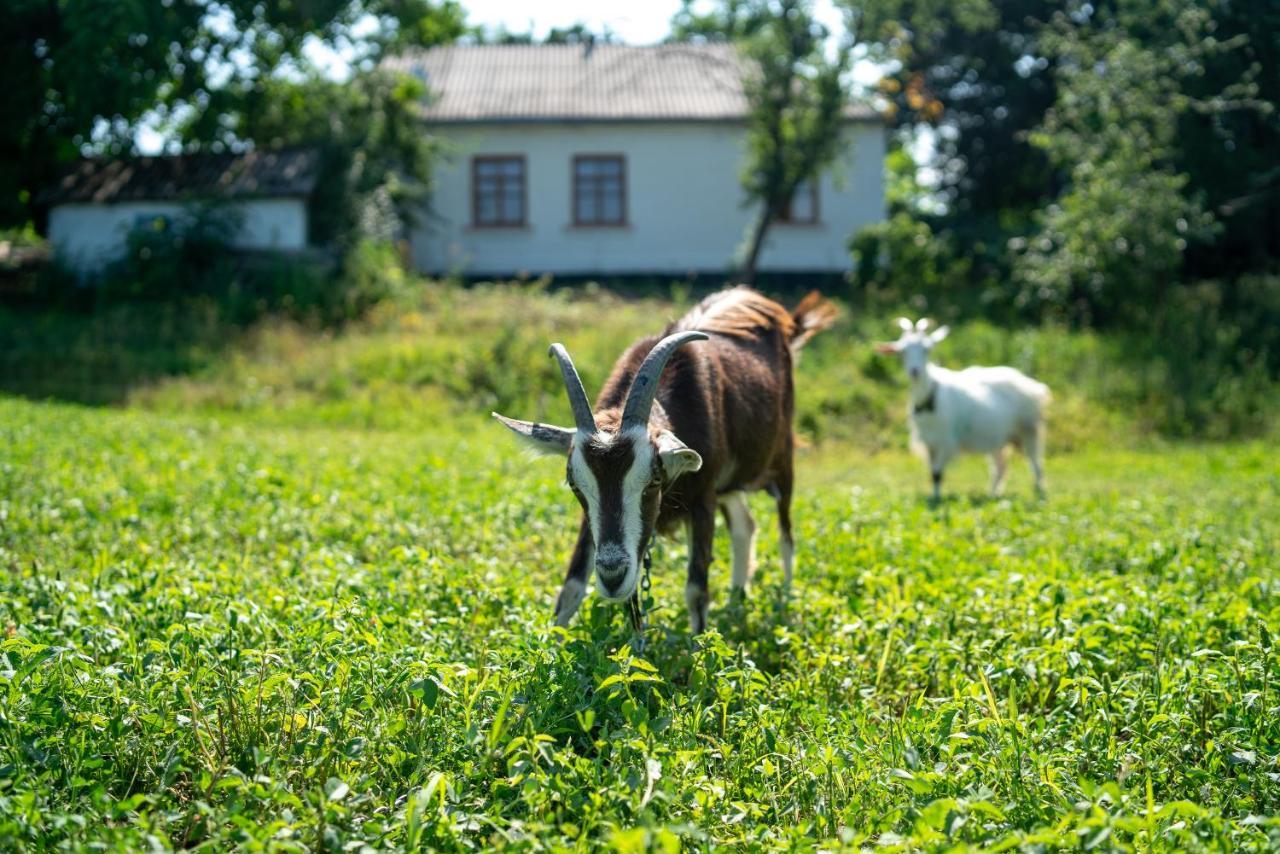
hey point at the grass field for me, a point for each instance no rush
(249, 609)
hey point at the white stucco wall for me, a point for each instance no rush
(684, 200)
(88, 236)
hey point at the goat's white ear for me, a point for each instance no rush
(887, 348)
(904, 324)
(543, 438)
(939, 333)
(677, 457)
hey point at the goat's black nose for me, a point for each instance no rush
(612, 574)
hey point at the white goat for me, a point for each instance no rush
(977, 410)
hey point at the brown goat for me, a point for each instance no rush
(677, 432)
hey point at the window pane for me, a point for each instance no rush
(611, 212)
(599, 190)
(588, 211)
(499, 191)
(486, 209)
(802, 204)
(512, 203)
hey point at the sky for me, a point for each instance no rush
(634, 22)
(630, 21)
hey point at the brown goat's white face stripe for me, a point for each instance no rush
(611, 475)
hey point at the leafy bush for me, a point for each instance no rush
(176, 257)
(371, 272)
(1211, 359)
(908, 261)
(418, 351)
(902, 257)
(191, 258)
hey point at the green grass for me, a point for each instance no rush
(298, 596)
(439, 353)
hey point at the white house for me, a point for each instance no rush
(95, 205)
(607, 159)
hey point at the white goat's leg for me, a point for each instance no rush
(1033, 445)
(999, 465)
(742, 531)
(937, 463)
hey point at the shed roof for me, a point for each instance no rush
(584, 82)
(288, 172)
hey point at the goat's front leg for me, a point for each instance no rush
(937, 462)
(702, 533)
(574, 589)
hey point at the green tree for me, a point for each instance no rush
(973, 71)
(79, 74)
(1114, 240)
(1232, 156)
(796, 95)
(376, 165)
(1110, 130)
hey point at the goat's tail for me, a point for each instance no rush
(811, 315)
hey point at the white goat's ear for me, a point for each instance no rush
(543, 438)
(677, 457)
(887, 348)
(922, 324)
(939, 333)
(904, 324)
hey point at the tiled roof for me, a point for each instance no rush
(288, 172)
(479, 83)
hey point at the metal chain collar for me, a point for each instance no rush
(641, 602)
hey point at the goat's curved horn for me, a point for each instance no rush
(582, 417)
(904, 324)
(645, 385)
(922, 324)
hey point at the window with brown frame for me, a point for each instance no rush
(803, 208)
(498, 192)
(599, 190)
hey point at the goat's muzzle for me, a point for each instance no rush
(614, 571)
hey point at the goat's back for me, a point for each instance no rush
(1009, 386)
(731, 397)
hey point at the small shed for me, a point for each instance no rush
(98, 202)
